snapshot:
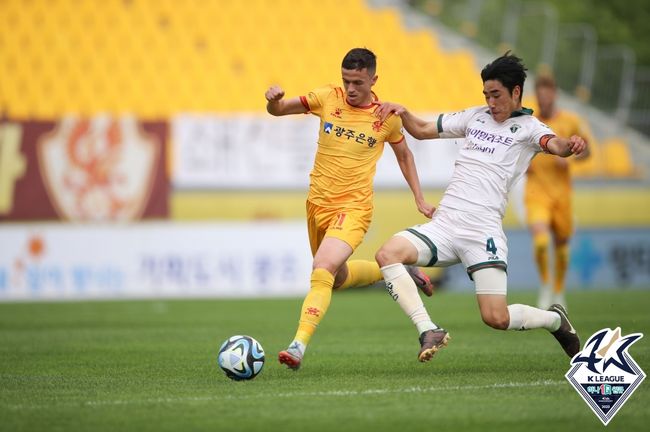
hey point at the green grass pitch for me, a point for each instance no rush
(151, 366)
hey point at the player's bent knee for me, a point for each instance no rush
(396, 250)
(497, 321)
(385, 256)
(382, 257)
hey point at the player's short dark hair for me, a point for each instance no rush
(360, 58)
(508, 70)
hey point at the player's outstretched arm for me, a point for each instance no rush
(278, 106)
(565, 147)
(406, 163)
(417, 127)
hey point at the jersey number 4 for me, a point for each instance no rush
(490, 246)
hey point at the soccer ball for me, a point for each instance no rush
(241, 357)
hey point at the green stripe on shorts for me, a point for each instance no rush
(430, 245)
(487, 264)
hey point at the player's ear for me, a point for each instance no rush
(516, 92)
(373, 81)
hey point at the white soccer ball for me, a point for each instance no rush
(241, 357)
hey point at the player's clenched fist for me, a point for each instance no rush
(577, 144)
(274, 93)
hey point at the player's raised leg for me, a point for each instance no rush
(357, 273)
(360, 273)
(491, 286)
(402, 289)
(330, 256)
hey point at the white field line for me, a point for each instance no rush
(291, 394)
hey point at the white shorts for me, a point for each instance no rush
(452, 237)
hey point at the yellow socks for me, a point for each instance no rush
(561, 265)
(315, 305)
(540, 247)
(361, 273)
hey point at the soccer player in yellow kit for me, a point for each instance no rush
(548, 195)
(340, 201)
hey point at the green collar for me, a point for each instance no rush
(522, 111)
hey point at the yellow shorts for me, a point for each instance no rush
(349, 225)
(555, 211)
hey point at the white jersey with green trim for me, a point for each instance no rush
(493, 157)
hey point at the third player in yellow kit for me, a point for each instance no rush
(340, 202)
(548, 196)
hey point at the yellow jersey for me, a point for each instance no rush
(549, 172)
(350, 142)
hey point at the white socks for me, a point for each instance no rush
(524, 317)
(402, 289)
(296, 344)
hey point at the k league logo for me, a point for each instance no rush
(604, 373)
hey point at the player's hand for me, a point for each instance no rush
(425, 208)
(386, 109)
(274, 93)
(577, 145)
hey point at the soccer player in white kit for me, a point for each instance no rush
(501, 138)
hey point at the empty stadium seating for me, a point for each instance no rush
(156, 58)
(609, 158)
(617, 160)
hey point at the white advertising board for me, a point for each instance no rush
(149, 260)
(264, 152)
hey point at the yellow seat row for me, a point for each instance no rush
(157, 58)
(610, 159)
(160, 57)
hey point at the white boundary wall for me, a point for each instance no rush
(147, 260)
(264, 152)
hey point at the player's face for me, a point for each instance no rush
(358, 86)
(499, 100)
(546, 100)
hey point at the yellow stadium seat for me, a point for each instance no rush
(590, 167)
(120, 55)
(617, 159)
